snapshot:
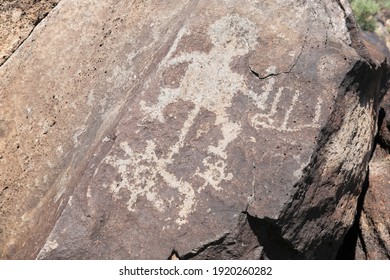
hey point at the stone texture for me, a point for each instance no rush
(384, 127)
(375, 219)
(199, 129)
(18, 18)
(368, 237)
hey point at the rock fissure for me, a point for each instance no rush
(347, 250)
(267, 76)
(268, 234)
(341, 5)
(202, 248)
(24, 37)
(282, 72)
(363, 244)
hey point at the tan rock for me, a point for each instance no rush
(18, 18)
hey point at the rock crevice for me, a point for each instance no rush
(19, 19)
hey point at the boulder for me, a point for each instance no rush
(194, 129)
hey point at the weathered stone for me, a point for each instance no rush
(211, 129)
(366, 239)
(375, 219)
(18, 18)
(384, 126)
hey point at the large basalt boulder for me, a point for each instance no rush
(207, 129)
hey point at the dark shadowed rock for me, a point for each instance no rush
(375, 219)
(384, 127)
(211, 129)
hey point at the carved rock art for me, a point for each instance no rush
(268, 120)
(231, 36)
(200, 129)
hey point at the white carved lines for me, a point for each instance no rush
(214, 174)
(274, 117)
(139, 173)
(209, 83)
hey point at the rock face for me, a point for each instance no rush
(375, 220)
(211, 129)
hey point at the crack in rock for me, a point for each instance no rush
(347, 250)
(204, 247)
(282, 72)
(16, 28)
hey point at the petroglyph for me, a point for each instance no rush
(139, 172)
(209, 84)
(231, 36)
(273, 117)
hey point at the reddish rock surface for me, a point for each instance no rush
(212, 129)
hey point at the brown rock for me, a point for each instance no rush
(384, 126)
(375, 220)
(211, 129)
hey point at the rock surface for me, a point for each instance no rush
(375, 218)
(211, 129)
(18, 18)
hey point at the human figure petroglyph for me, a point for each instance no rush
(209, 81)
(209, 84)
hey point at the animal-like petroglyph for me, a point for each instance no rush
(209, 84)
(139, 172)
